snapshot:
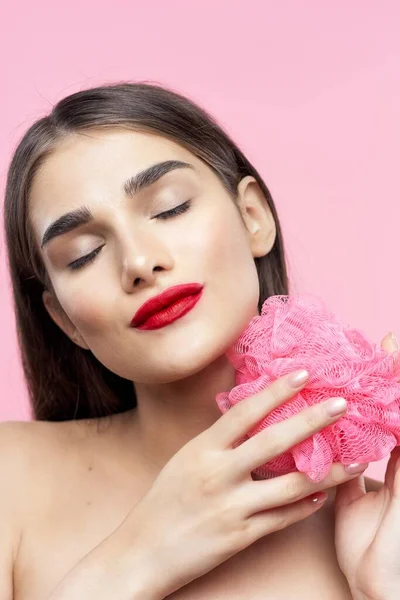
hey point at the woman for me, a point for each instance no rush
(121, 193)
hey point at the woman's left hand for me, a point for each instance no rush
(367, 530)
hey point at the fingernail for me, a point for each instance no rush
(356, 467)
(319, 497)
(297, 378)
(394, 340)
(337, 406)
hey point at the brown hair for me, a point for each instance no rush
(64, 381)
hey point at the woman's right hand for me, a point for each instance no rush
(204, 506)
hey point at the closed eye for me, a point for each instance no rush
(175, 211)
(76, 264)
(80, 262)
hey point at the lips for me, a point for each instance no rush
(166, 298)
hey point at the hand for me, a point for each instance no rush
(367, 529)
(204, 506)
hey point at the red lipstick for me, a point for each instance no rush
(168, 306)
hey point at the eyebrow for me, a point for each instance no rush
(143, 179)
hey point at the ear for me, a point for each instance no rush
(256, 215)
(61, 319)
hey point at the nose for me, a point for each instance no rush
(142, 272)
(139, 268)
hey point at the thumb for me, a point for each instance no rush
(349, 492)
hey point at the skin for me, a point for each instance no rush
(213, 243)
(77, 476)
(367, 527)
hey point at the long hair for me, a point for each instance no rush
(64, 381)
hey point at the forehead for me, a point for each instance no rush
(91, 166)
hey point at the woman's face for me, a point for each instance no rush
(139, 254)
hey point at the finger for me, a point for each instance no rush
(391, 467)
(396, 479)
(280, 437)
(265, 522)
(286, 489)
(387, 537)
(246, 414)
(389, 343)
(349, 491)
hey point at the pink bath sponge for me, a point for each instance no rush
(299, 332)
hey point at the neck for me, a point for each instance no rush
(169, 415)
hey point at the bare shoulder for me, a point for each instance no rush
(16, 438)
(27, 448)
(14, 452)
(21, 434)
(17, 452)
(22, 441)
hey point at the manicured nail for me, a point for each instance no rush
(356, 467)
(394, 340)
(319, 497)
(297, 378)
(337, 406)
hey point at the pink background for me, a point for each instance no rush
(310, 90)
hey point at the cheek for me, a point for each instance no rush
(218, 237)
(229, 267)
(228, 254)
(90, 313)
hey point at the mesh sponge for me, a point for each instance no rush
(296, 332)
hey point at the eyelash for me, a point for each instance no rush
(80, 262)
